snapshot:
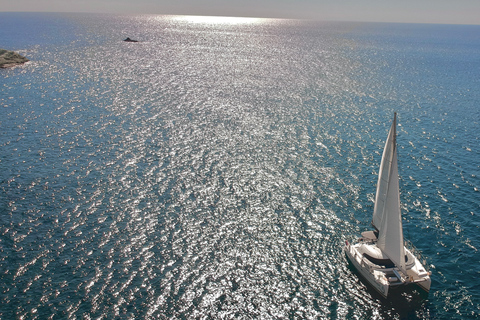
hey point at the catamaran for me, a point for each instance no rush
(380, 256)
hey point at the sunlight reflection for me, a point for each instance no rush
(220, 20)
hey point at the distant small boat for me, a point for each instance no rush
(130, 40)
(381, 256)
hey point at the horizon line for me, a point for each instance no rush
(252, 17)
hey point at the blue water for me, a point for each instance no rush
(216, 168)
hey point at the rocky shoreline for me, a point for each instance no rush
(10, 59)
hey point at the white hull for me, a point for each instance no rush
(382, 278)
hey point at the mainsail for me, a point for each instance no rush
(386, 215)
(384, 176)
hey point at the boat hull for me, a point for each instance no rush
(383, 279)
(365, 272)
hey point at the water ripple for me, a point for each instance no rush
(215, 170)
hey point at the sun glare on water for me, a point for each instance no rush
(220, 20)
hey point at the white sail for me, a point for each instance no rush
(390, 238)
(386, 215)
(384, 176)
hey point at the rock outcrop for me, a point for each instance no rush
(10, 59)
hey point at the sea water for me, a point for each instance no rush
(216, 168)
